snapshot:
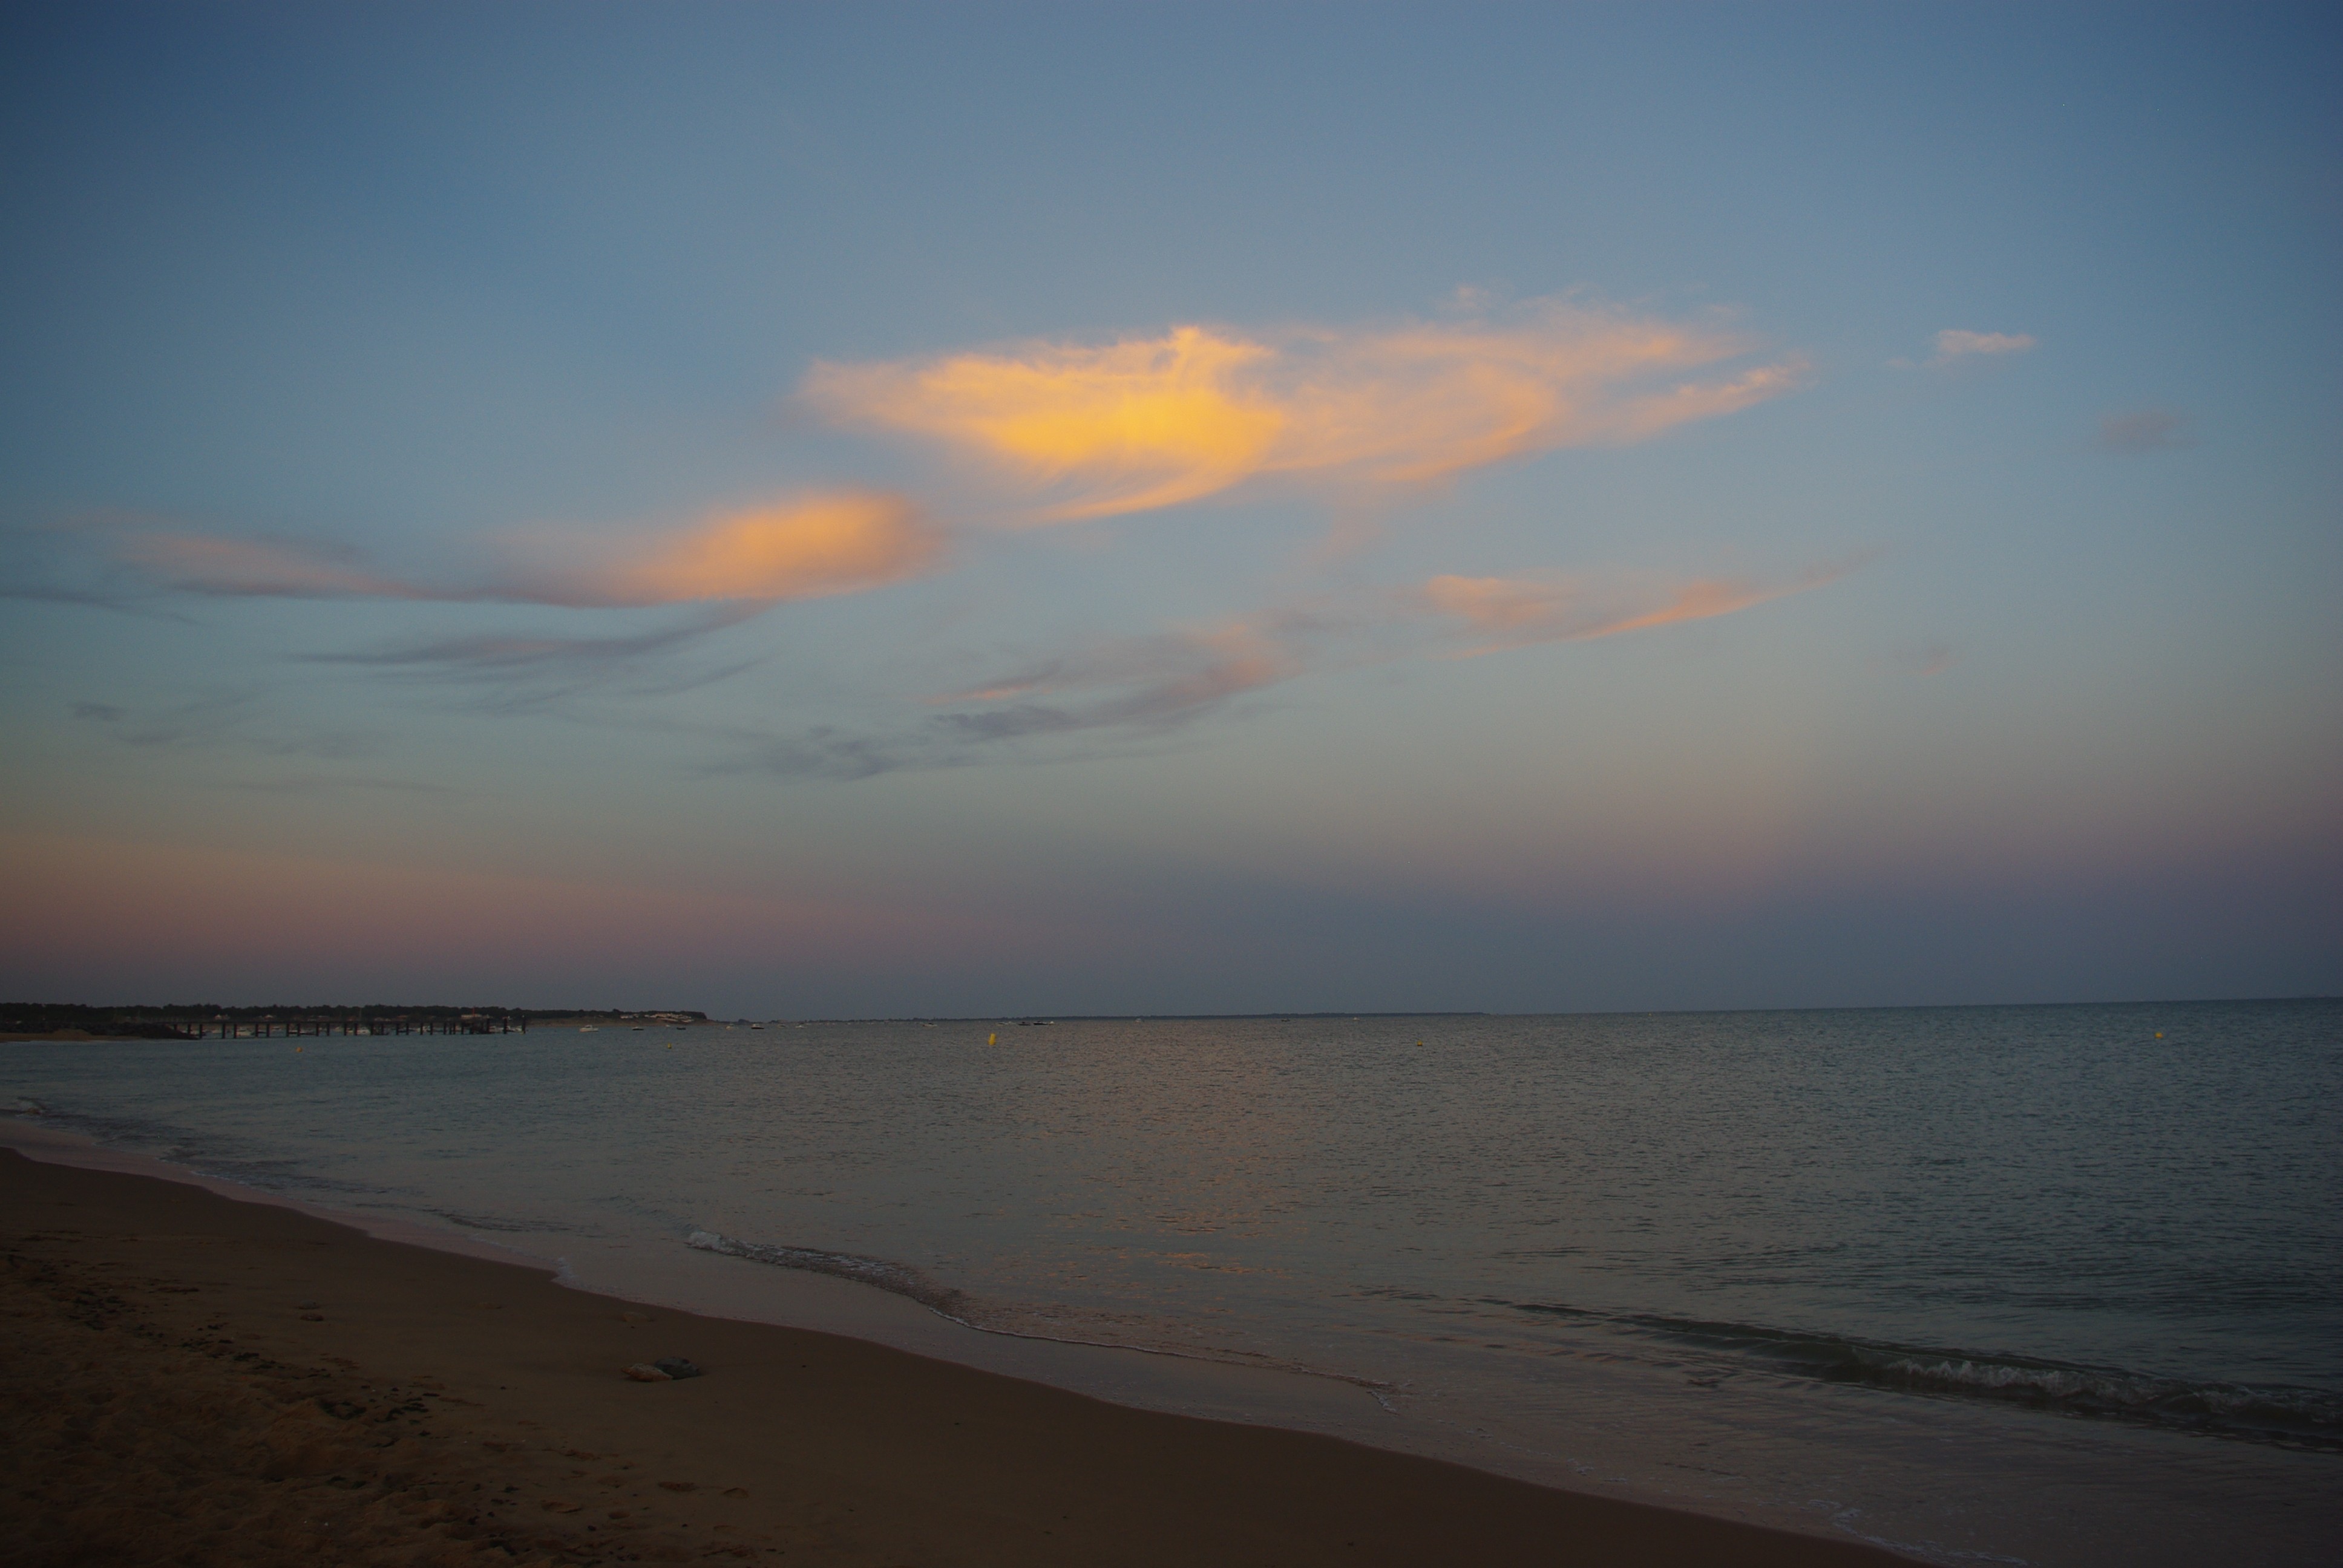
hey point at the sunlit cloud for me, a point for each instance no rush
(2150, 430)
(1093, 429)
(1517, 611)
(814, 548)
(729, 568)
(810, 547)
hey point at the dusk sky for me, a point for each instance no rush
(818, 511)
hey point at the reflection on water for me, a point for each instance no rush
(1734, 1235)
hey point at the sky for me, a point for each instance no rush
(884, 510)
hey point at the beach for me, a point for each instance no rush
(195, 1379)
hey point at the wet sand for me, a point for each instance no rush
(195, 1380)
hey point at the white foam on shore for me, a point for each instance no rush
(61, 1146)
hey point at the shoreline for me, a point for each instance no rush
(505, 1375)
(730, 1288)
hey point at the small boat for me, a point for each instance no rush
(586, 1029)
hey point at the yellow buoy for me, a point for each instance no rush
(992, 1040)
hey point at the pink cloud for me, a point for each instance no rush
(1514, 612)
(201, 563)
(1956, 344)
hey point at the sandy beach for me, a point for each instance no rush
(195, 1380)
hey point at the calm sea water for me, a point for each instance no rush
(2041, 1284)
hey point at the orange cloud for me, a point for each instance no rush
(1099, 429)
(1516, 611)
(811, 547)
(1141, 424)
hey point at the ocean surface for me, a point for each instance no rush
(2061, 1285)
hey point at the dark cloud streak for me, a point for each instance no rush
(2149, 430)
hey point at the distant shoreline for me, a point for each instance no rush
(25, 1023)
(326, 1023)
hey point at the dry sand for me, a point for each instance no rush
(194, 1380)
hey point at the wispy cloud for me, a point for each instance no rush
(1956, 344)
(1125, 690)
(1119, 690)
(726, 568)
(2150, 430)
(341, 784)
(513, 672)
(809, 547)
(243, 720)
(825, 752)
(1095, 430)
(89, 598)
(502, 651)
(1150, 681)
(50, 564)
(257, 569)
(1171, 677)
(1518, 611)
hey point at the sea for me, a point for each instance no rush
(2047, 1285)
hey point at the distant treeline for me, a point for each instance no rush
(193, 1020)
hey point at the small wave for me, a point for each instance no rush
(963, 1309)
(25, 1105)
(877, 1272)
(2292, 1417)
(490, 1223)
